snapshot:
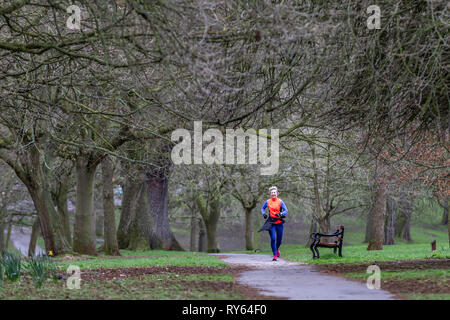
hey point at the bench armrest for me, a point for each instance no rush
(318, 234)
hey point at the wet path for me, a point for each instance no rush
(299, 281)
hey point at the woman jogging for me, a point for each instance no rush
(277, 211)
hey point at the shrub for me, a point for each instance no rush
(41, 267)
(440, 254)
(51, 268)
(11, 265)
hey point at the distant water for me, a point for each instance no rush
(20, 238)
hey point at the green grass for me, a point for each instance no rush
(356, 251)
(406, 274)
(352, 254)
(13, 249)
(144, 259)
(420, 234)
(125, 253)
(40, 242)
(440, 275)
(213, 277)
(427, 296)
(359, 253)
(180, 231)
(421, 231)
(154, 287)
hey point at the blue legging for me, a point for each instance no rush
(276, 242)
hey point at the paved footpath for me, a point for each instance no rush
(297, 281)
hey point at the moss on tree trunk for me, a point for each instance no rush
(111, 247)
(377, 226)
(84, 226)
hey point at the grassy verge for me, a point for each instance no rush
(423, 284)
(167, 275)
(142, 259)
(427, 296)
(359, 253)
(406, 274)
(406, 269)
(154, 287)
(353, 254)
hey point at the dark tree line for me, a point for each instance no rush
(74, 101)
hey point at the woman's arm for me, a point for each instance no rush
(283, 206)
(263, 209)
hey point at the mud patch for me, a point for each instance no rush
(396, 285)
(138, 272)
(113, 274)
(413, 285)
(386, 265)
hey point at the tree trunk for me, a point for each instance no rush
(44, 208)
(369, 224)
(407, 228)
(110, 246)
(444, 220)
(8, 235)
(2, 238)
(249, 243)
(3, 223)
(201, 236)
(389, 230)
(212, 245)
(161, 236)
(210, 215)
(325, 226)
(399, 224)
(51, 224)
(84, 226)
(141, 224)
(312, 228)
(371, 212)
(256, 234)
(407, 209)
(99, 223)
(448, 230)
(28, 166)
(35, 230)
(317, 207)
(150, 226)
(129, 200)
(193, 231)
(377, 226)
(60, 199)
(322, 219)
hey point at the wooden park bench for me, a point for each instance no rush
(337, 244)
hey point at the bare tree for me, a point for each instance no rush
(110, 247)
